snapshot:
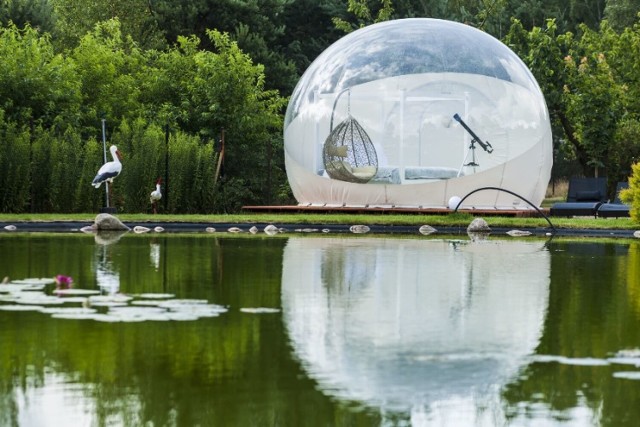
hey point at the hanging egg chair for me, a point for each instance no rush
(348, 153)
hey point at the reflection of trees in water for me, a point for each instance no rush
(347, 268)
(154, 255)
(593, 313)
(633, 276)
(107, 277)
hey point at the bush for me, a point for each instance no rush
(15, 151)
(631, 195)
(143, 150)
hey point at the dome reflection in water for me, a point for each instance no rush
(430, 327)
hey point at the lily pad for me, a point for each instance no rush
(260, 310)
(108, 304)
(627, 375)
(68, 310)
(38, 299)
(76, 292)
(106, 318)
(119, 298)
(146, 302)
(73, 300)
(34, 281)
(74, 316)
(156, 296)
(182, 302)
(625, 360)
(20, 287)
(131, 310)
(21, 307)
(575, 361)
(202, 310)
(182, 316)
(138, 314)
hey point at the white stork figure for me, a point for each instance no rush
(156, 195)
(110, 170)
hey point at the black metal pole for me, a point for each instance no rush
(104, 155)
(166, 168)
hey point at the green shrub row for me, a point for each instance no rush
(43, 172)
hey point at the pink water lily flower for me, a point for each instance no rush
(63, 282)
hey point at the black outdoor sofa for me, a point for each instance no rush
(584, 198)
(616, 208)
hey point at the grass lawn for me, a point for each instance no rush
(556, 193)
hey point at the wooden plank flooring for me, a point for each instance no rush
(391, 210)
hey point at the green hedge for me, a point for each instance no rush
(44, 172)
(15, 171)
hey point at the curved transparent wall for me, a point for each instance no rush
(412, 112)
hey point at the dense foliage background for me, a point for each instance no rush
(171, 78)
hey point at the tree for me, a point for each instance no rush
(78, 17)
(36, 84)
(631, 195)
(594, 103)
(34, 13)
(493, 16)
(543, 50)
(309, 31)
(364, 15)
(589, 82)
(588, 13)
(110, 67)
(256, 25)
(622, 14)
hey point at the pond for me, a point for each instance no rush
(179, 329)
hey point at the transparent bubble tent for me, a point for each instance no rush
(413, 112)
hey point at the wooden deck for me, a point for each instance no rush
(390, 210)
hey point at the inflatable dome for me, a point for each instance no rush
(413, 112)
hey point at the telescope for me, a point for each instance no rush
(475, 138)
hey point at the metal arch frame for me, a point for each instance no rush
(510, 192)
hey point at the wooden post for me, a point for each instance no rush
(220, 157)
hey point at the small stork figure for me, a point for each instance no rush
(156, 195)
(110, 170)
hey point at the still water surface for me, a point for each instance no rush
(322, 331)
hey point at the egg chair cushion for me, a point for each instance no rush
(349, 154)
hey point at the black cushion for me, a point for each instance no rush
(584, 196)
